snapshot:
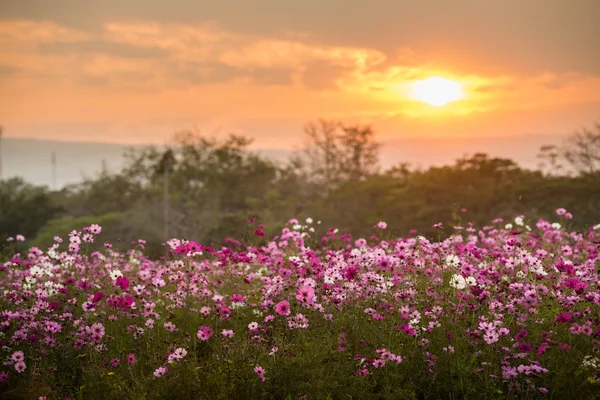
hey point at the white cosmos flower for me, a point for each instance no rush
(471, 281)
(115, 273)
(519, 221)
(458, 281)
(452, 260)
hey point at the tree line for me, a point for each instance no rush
(206, 189)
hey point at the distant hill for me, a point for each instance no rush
(32, 159)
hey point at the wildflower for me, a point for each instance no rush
(260, 371)
(114, 274)
(564, 347)
(205, 311)
(305, 294)
(452, 261)
(20, 367)
(18, 356)
(160, 371)
(180, 352)
(204, 333)
(350, 273)
(122, 282)
(563, 318)
(298, 321)
(381, 225)
(555, 226)
(490, 337)
(560, 211)
(170, 326)
(509, 372)
(519, 221)
(95, 229)
(228, 333)
(270, 318)
(130, 359)
(283, 308)
(458, 281)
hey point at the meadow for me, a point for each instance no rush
(509, 310)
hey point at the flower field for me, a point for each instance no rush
(505, 311)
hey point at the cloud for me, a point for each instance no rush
(7, 70)
(173, 54)
(294, 70)
(96, 46)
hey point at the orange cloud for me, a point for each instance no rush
(131, 70)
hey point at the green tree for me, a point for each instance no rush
(24, 208)
(209, 184)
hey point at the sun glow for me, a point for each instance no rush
(437, 91)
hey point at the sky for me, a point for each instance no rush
(137, 71)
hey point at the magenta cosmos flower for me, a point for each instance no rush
(283, 308)
(204, 333)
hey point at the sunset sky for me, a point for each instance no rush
(136, 71)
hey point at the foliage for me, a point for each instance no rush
(24, 208)
(205, 189)
(113, 224)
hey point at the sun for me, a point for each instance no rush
(437, 91)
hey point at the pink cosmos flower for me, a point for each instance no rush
(283, 308)
(130, 359)
(260, 371)
(97, 297)
(170, 326)
(160, 371)
(20, 367)
(228, 333)
(95, 229)
(204, 333)
(18, 356)
(350, 273)
(305, 294)
(381, 225)
(563, 318)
